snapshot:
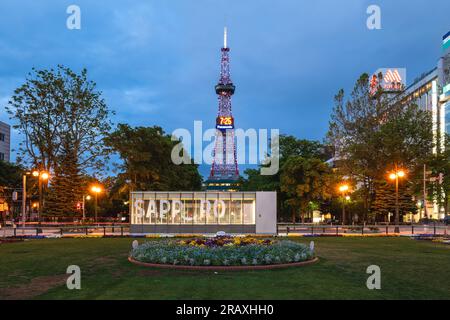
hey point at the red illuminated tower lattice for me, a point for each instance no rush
(224, 170)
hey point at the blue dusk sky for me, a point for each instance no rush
(157, 61)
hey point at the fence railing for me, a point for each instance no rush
(282, 229)
(74, 230)
(336, 230)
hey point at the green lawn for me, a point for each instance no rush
(410, 270)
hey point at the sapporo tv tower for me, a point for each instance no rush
(224, 170)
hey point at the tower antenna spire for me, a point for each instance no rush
(225, 37)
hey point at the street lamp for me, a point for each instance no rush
(96, 189)
(394, 176)
(42, 176)
(343, 189)
(85, 197)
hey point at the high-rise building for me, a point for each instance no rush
(5, 142)
(224, 173)
(431, 92)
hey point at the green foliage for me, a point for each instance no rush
(10, 175)
(439, 164)
(147, 165)
(384, 201)
(10, 179)
(67, 185)
(304, 181)
(372, 136)
(52, 104)
(289, 146)
(63, 119)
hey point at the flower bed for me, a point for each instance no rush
(221, 252)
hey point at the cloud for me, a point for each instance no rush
(132, 103)
(135, 24)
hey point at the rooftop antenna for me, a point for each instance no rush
(225, 37)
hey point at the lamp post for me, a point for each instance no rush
(24, 198)
(42, 176)
(395, 176)
(85, 197)
(96, 190)
(343, 189)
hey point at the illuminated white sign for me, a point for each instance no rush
(193, 208)
(161, 209)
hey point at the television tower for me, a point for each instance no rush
(224, 170)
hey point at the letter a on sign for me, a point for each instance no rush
(374, 281)
(74, 280)
(374, 20)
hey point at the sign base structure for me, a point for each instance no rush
(188, 212)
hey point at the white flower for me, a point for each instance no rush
(244, 261)
(206, 262)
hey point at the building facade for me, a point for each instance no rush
(5, 142)
(431, 92)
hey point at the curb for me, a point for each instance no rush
(223, 268)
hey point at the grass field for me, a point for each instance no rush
(409, 270)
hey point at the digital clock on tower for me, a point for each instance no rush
(224, 122)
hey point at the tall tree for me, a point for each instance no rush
(384, 202)
(67, 186)
(372, 135)
(305, 181)
(439, 188)
(56, 108)
(52, 104)
(146, 161)
(289, 146)
(10, 179)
